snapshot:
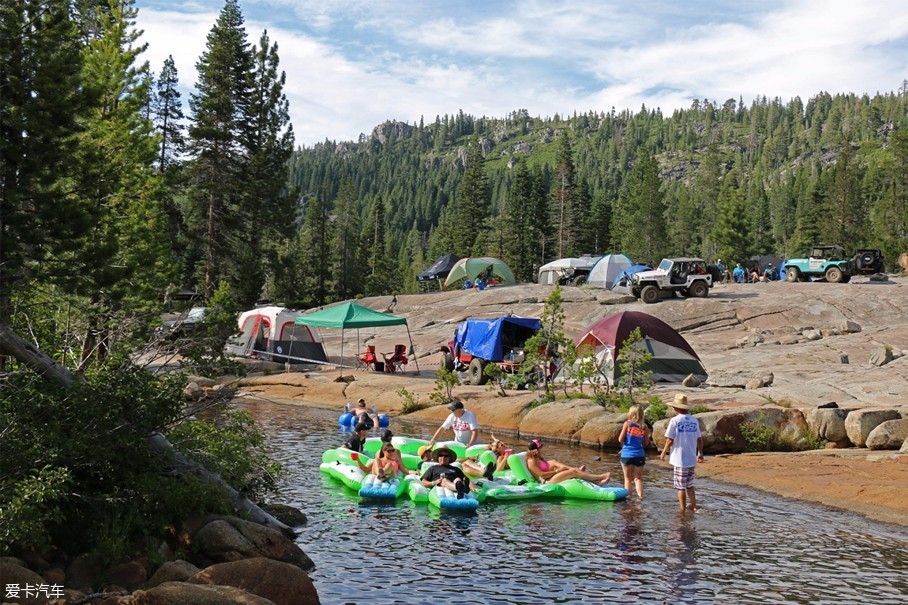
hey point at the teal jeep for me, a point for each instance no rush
(823, 262)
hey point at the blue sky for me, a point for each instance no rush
(353, 64)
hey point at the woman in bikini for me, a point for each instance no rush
(472, 467)
(552, 471)
(388, 464)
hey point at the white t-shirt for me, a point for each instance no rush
(684, 431)
(463, 426)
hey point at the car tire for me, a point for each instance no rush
(834, 275)
(792, 274)
(649, 294)
(476, 372)
(698, 289)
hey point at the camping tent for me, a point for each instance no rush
(440, 269)
(351, 315)
(624, 277)
(557, 270)
(604, 272)
(672, 357)
(764, 260)
(470, 268)
(271, 333)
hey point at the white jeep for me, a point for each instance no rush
(689, 276)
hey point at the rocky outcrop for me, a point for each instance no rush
(602, 431)
(859, 423)
(828, 424)
(562, 419)
(181, 593)
(226, 539)
(740, 379)
(280, 583)
(13, 572)
(888, 435)
(722, 428)
(172, 571)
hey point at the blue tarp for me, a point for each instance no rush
(626, 274)
(484, 337)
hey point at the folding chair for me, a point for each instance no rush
(395, 360)
(367, 359)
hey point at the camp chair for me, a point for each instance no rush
(367, 359)
(395, 360)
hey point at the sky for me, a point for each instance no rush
(353, 64)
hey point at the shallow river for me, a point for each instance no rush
(743, 547)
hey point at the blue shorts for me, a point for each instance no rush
(636, 461)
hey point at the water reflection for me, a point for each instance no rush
(743, 547)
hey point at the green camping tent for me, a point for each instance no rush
(352, 315)
(469, 268)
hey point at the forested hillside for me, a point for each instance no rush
(716, 180)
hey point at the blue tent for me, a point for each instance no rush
(484, 337)
(625, 276)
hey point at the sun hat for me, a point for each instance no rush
(680, 402)
(444, 450)
(423, 449)
(535, 444)
(457, 404)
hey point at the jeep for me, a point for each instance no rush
(823, 262)
(867, 260)
(689, 276)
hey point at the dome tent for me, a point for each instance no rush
(470, 268)
(604, 272)
(672, 357)
(565, 268)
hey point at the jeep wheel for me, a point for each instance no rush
(476, 372)
(834, 275)
(792, 274)
(698, 289)
(649, 294)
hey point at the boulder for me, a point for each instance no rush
(850, 327)
(738, 379)
(811, 335)
(562, 419)
(181, 593)
(691, 381)
(11, 573)
(722, 428)
(829, 425)
(83, 572)
(904, 448)
(129, 575)
(173, 571)
(602, 431)
(859, 423)
(231, 539)
(881, 356)
(193, 391)
(888, 435)
(280, 583)
(288, 515)
(202, 381)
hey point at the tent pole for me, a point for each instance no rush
(416, 361)
(341, 368)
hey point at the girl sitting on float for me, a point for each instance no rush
(552, 471)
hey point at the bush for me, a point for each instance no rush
(411, 402)
(760, 437)
(656, 410)
(699, 409)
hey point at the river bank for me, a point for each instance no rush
(872, 484)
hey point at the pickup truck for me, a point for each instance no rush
(479, 342)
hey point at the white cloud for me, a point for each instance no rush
(353, 64)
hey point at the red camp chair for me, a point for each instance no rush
(395, 360)
(367, 359)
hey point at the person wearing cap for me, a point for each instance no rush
(362, 414)
(738, 273)
(355, 443)
(446, 475)
(463, 422)
(473, 468)
(767, 273)
(685, 441)
(552, 471)
(425, 457)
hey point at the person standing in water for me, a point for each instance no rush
(685, 441)
(634, 439)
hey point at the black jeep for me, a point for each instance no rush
(867, 260)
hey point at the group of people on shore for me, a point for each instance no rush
(748, 275)
(684, 446)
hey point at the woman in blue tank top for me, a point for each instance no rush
(634, 439)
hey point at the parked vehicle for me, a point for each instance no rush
(867, 260)
(479, 342)
(689, 276)
(179, 328)
(823, 262)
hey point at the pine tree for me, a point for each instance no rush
(517, 225)
(471, 208)
(845, 219)
(167, 112)
(345, 275)
(563, 189)
(41, 103)
(731, 233)
(218, 108)
(375, 250)
(315, 236)
(642, 212)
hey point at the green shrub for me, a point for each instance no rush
(656, 410)
(443, 393)
(699, 409)
(760, 437)
(411, 402)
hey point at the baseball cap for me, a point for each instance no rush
(361, 427)
(457, 404)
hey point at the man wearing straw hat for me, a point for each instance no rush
(685, 441)
(446, 474)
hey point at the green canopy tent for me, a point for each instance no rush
(470, 268)
(351, 315)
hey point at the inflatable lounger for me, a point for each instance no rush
(445, 499)
(571, 488)
(504, 490)
(340, 464)
(373, 487)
